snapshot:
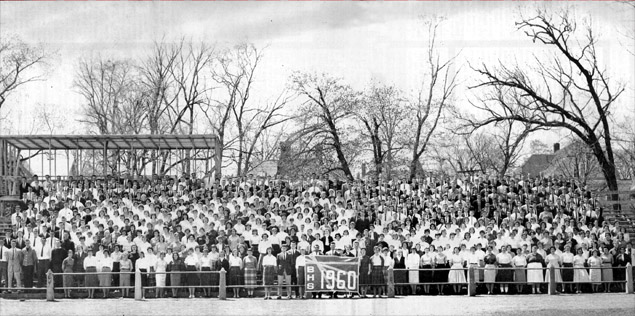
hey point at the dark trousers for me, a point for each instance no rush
(3, 273)
(42, 268)
(28, 275)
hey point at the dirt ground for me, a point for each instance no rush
(562, 305)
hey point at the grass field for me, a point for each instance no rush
(518, 305)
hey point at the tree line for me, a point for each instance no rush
(320, 124)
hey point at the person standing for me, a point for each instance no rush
(160, 267)
(29, 264)
(57, 257)
(3, 265)
(284, 270)
(553, 260)
(105, 267)
(490, 270)
(377, 273)
(595, 272)
(607, 269)
(250, 264)
(456, 275)
(235, 271)
(90, 266)
(567, 268)
(14, 265)
(300, 265)
(191, 266)
(534, 270)
(67, 267)
(43, 250)
(580, 275)
(412, 264)
(505, 275)
(175, 267)
(125, 267)
(520, 272)
(269, 264)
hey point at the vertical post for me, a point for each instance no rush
(552, 279)
(105, 160)
(629, 278)
(471, 281)
(390, 282)
(138, 288)
(50, 286)
(218, 158)
(222, 289)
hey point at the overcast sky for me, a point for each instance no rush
(358, 41)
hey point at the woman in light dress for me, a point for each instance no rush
(412, 264)
(595, 270)
(553, 260)
(456, 275)
(580, 275)
(160, 266)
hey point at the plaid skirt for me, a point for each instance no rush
(377, 275)
(268, 275)
(235, 276)
(300, 273)
(250, 277)
(364, 276)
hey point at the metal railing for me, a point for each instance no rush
(548, 277)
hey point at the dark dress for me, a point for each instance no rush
(175, 266)
(364, 277)
(620, 261)
(401, 274)
(57, 257)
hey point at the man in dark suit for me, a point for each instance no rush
(294, 277)
(285, 269)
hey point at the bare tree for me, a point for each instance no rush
(433, 97)
(572, 91)
(20, 63)
(382, 114)
(575, 161)
(330, 104)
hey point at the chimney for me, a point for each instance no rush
(556, 147)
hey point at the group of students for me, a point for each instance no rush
(179, 232)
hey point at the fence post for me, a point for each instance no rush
(222, 286)
(50, 286)
(552, 279)
(471, 282)
(138, 287)
(629, 278)
(390, 282)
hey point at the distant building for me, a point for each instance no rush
(537, 164)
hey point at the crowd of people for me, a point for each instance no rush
(426, 231)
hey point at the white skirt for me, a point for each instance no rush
(557, 273)
(160, 277)
(580, 275)
(534, 273)
(456, 274)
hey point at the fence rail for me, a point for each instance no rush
(548, 273)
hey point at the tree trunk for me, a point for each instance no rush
(413, 166)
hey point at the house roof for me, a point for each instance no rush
(97, 142)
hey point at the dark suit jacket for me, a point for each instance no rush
(285, 263)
